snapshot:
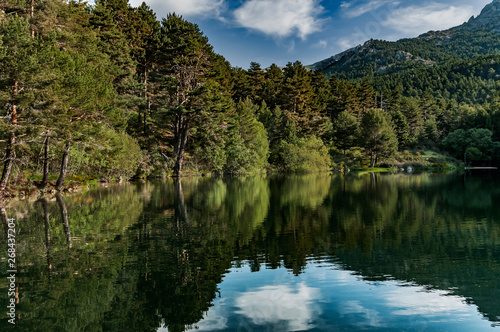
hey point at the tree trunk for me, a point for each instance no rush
(372, 160)
(180, 206)
(10, 153)
(147, 110)
(180, 156)
(64, 168)
(10, 156)
(64, 216)
(5, 218)
(180, 144)
(32, 14)
(45, 208)
(45, 178)
(15, 92)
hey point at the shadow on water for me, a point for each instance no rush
(140, 257)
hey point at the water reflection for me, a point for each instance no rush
(328, 297)
(312, 252)
(272, 305)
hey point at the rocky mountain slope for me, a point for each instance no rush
(479, 37)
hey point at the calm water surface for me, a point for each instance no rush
(362, 252)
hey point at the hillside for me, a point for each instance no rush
(429, 56)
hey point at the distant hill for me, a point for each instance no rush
(440, 62)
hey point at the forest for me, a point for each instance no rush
(111, 92)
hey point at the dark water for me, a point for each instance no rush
(364, 252)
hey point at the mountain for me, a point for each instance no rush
(489, 18)
(430, 56)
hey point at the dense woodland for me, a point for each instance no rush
(109, 91)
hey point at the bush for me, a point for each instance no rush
(112, 155)
(307, 155)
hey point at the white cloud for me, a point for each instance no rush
(275, 304)
(322, 43)
(281, 18)
(213, 320)
(184, 7)
(350, 42)
(415, 20)
(366, 317)
(413, 301)
(351, 11)
(345, 4)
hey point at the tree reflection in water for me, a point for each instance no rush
(140, 257)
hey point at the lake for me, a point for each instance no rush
(318, 252)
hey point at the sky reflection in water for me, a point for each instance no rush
(316, 252)
(326, 297)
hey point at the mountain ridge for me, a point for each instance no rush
(479, 36)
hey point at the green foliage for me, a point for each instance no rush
(111, 154)
(183, 61)
(213, 157)
(473, 154)
(477, 142)
(253, 133)
(19, 63)
(377, 136)
(234, 142)
(306, 155)
(247, 148)
(109, 78)
(345, 131)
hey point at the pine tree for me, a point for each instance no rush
(273, 85)
(377, 136)
(414, 119)
(183, 60)
(367, 95)
(256, 81)
(297, 100)
(241, 85)
(113, 42)
(401, 128)
(345, 131)
(17, 73)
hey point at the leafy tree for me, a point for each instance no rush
(241, 85)
(472, 154)
(297, 99)
(247, 147)
(17, 79)
(273, 86)
(377, 136)
(322, 93)
(477, 141)
(344, 97)
(141, 30)
(306, 155)
(112, 41)
(414, 120)
(345, 131)
(367, 95)
(401, 128)
(256, 82)
(182, 59)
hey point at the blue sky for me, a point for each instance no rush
(280, 31)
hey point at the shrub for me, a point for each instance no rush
(307, 155)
